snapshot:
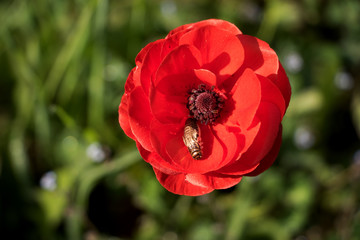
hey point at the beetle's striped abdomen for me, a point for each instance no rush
(190, 138)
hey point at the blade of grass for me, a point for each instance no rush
(73, 46)
(240, 211)
(68, 86)
(24, 99)
(180, 211)
(91, 176)
(87, 180)
(96, 80)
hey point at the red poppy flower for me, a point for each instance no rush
(230, 92)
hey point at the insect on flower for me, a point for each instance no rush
(190, 138)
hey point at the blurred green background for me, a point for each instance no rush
(68, 171)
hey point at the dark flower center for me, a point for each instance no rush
(205, 104)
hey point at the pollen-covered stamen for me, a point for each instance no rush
(205, 104)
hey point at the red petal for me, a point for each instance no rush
(224, 25)
(283, 84)
(178, 185)
(124, 116)
(168, 100)
(240, 108)
(205, 76)
(270, 118)
(212, 149)
(240, 167)
(178, 85)
(141, 55)
(251, 133)
(221, 24)
(181, 60)
(271, 93)
(151, 61)
(259, 56)
(168, 108)
(130, 83)
(160, 135)
(172, 39)
(232, 140)
(140, 117)
(269, 159)
(180, 30)
(221, 51)
(156, 161)
(170, 43)
(213, 180)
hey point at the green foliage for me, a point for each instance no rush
(63, 67)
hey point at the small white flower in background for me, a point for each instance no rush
(293, 62)
(251, 11)
(304, 138)
(203, 199)
(168, 8)
(95, 152)
(356, 158)
(170, 236)
(344, 81)
(49, 181)
(301, 238)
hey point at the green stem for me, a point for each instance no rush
(87, 181)
(240, 211)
